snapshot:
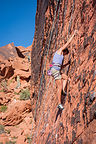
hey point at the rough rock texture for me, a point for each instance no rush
(3, 138)
(12, 60)
(77, 122)
(17, 107)
(15, 111)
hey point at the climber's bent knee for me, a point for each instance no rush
(64, 76)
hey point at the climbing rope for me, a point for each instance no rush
(56, 35)
(42, 115)
(65, 9)
(41, 80)
(71, 18)
(46, 56)
(63, 19)
(43, 107)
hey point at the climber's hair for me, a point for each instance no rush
(66, 51)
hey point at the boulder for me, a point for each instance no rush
(16, 112)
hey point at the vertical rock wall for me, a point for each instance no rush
(77, 122)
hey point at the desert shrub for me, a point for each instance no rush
(2, 129)
(29, 140)
(11, 142)
(11, 80)
(4, 85)
(7, 131)
(3, 108)
(14, 137)
(15, 93)
(2, 90)
(25, 94)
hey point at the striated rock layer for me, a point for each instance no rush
(77, 122)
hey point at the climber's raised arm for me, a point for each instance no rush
(55, 70)
(62, 48)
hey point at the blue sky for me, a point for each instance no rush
(17, 22)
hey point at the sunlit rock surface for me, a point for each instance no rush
(76, 123)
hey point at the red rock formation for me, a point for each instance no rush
(76, 123)
(16, 112)
(15, 74)
(14, 60)
(3, 138)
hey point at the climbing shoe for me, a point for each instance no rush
(64, 93)
(60, 107)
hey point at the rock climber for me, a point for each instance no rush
(55, 69)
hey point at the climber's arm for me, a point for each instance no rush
(62, 48)
(63, 66)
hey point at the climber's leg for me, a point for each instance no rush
(57, 76)
(64, 81)
(64, 76)
(64, 85)
(59, 89)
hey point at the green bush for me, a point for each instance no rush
(25, 94)
(14, 137)
(15, 93)
(7, 131)
(2, 129)
(2, 90)
(29, 140)
(4, 85)
(3, 108)
(11, 142)
(11, 81)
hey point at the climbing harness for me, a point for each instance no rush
(49, 72)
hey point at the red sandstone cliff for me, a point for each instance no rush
(77, 123)
(41, 122)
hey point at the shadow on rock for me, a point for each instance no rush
(58, 113)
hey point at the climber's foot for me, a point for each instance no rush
(64, 93)
(60, 106)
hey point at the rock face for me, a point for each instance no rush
(76, 123)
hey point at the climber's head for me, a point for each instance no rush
(65, 51)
